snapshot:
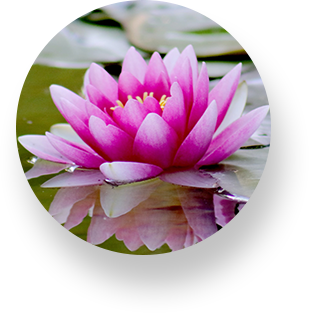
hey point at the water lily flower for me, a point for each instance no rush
(158, 117)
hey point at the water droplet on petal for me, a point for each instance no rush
(225, 194)
(72, 168)
(111, 182)
(33, 159)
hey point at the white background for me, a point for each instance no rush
(229, 3)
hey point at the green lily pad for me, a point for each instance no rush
(160, 26)
(79, 44)
(240, 173)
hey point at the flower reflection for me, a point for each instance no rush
(151, 213)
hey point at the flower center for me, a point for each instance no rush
(162, 101)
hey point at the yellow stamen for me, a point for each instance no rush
(162, 101)
(119, 103)
(139, 99)
(162, 98)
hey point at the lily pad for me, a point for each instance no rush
(150, 25)
(240, 173)
(160, 26)
(79, 44)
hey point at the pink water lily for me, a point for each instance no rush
(158, 116)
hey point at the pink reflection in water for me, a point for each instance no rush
(151, 213)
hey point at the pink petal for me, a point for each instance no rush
(95, 111)
(189, 177)
(161, 86)
(64, 200)
(201, 97)
(199, 211)
(198, 140)
(155, 142)
(116, 115)
(190, 238)
(58, 92)
(170, 60)
(224, 210)
(201, 219)
(153, 226)
(69, 110)
(127, 232)
(174, 112)
(71, 114)
(96, 97)
(129, 235)
(79, 211)
(42, 167)
(103, 81)
(236, 107)
(79, 154)
(156, 78)
(234, 136)
(185, 72)
(224, 92)
(127, 172)
(129, 86)
(101, 227)
(78, 120)
(134, 64)
(75, 179)
(190, 54)
(182, 74)
(113, 142)
(41, 147)
(155, 67)
(178, 231)
(132, 116)
(152, 105)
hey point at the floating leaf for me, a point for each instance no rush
(79, 44)
(160, 26)
(240, 173)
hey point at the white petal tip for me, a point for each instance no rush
(118, 173)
